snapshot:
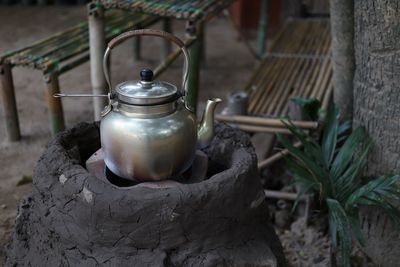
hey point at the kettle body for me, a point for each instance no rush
(149, 146)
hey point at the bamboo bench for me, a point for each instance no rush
(54, 56)
(297, 65)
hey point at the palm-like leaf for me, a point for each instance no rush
(340, 227)
(333, 170)
(329, 136)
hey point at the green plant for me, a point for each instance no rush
(332, 167)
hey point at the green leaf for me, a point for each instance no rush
(381, 187)
(340, 227)
(350, 181)
(354, 220)
(310, 107)
(346, 152)
(311, 147)
(316, 171)
(303, 179)
(329, 137)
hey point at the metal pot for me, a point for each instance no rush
(148, 131)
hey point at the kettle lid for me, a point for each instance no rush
(146, 91)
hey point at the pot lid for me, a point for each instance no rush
(146, 91)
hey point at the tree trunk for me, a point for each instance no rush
(377, 108)
(342, 28)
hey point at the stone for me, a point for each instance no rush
(73, 218)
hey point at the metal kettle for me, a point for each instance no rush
(149, 131)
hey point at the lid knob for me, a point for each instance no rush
(146, 75)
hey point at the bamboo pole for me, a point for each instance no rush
(97, 48)
(312, 125)
(171, 58)
(277, 156)
(283, 195)
(263, 28)
(166, 44)
(262, 129)
(193, 83)
(56, 115)
(9, 104)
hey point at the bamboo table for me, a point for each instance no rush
(194, 12)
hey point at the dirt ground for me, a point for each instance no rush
(229, 66)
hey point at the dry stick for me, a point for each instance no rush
(266, 121)
(277, 156)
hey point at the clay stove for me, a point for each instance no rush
(73, 218)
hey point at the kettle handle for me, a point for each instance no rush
(149, 32)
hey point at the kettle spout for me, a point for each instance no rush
(205, 130)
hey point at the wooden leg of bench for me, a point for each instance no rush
(9, 104)
(137, 42)
(166, 47)
(195, 63)
(97, 48)
(56, 115)
(202, 39)
(262, 29)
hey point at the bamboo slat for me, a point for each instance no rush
(298, 64)
(265, 121)
(51, 54)
(179, 9)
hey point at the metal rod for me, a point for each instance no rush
(9, 104)
(97, 48)
(266, 121)
(77, 95)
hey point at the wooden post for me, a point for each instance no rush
(192, 31)
(342, 28)
(54, 105)
(263, 29)
(166, 45)
(9, 104)
(137, 45)
(97, 48)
